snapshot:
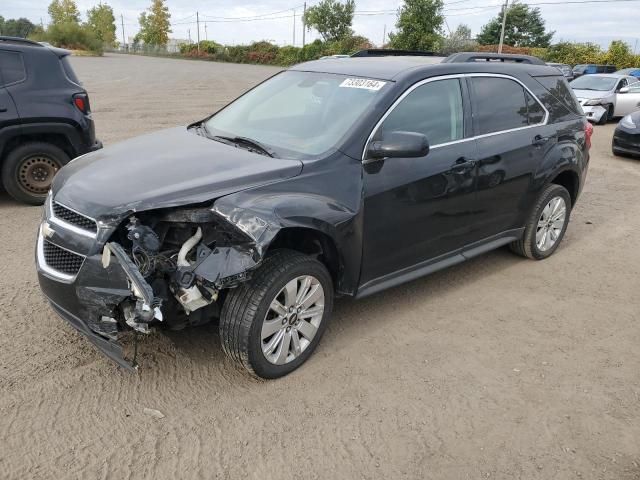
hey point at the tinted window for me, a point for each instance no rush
(500, 104)
(535, 111)
(11, 67)
(560, 90)
(433, 109)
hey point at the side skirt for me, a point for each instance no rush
(439, 263)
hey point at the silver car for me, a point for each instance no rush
(604, 96)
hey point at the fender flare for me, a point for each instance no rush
(264, 217)
(67, 130)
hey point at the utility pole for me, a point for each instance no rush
(635, 46)
(294, 27)
(198, 36)
(304, 27)
(41, 23)
(384, 35)
(206, 36)
(189, 34)
(124, 43)
(504, 22)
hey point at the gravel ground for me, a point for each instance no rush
(497, 368)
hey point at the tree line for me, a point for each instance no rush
(419, 26)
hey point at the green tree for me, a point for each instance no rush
(20, 27)
(101, 21)
(525, 27)
(154, 24)
(332, 19)
(64, 11)
(457, 41)
(419, 25)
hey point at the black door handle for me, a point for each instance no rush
(3, 108)
(540, 140)
(462, 164)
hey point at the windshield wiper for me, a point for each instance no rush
(250, 144)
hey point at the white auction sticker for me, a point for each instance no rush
(365, 83)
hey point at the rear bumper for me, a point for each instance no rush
(96, 146)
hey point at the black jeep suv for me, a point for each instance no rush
(45, 118)
(335, 177)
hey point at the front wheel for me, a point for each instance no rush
(271, 324)
(546, 225)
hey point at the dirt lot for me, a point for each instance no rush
(498, 368)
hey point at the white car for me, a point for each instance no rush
(607, 95)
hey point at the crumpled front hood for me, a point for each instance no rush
(163, 169)
(590, 93)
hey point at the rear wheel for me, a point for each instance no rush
(271, 324)
(28, 171)
(547, 224)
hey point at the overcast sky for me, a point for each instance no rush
(599, 23)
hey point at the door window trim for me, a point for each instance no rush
(469, 95)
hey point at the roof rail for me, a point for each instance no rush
(464, 57)
(19, 40)
(388, 52)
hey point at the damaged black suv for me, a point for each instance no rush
(334, 178)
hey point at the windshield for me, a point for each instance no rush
(592, 82)
(297, 114)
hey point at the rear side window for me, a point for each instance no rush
(433, 109)
(11, 67)
(560, 90)
(535, 112)
(68, 70)
(500, 104)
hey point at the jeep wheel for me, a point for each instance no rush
(28, 170)
(271, 324)
(546, 225)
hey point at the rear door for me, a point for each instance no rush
(11, 71)
(512, 138)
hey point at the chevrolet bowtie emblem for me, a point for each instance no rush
(47, 231)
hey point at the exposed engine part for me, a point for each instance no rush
(193, 298)
(186, 248)
(143, 237)
(138, 315)
(190, 295)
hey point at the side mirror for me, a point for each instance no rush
(624, 90)
(399, 144)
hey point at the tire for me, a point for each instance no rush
(28, 170)
(246, 316)
(606, 116)
(528, 246)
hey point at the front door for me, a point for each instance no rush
(629, 102)
(416, 209)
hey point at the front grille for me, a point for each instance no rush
(69, 216)
(60, 259)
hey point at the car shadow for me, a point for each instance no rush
(202, 344)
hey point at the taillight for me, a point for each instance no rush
(588, 131)
(81, 101)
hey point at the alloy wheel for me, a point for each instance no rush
(551, 223)
(292, 320)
